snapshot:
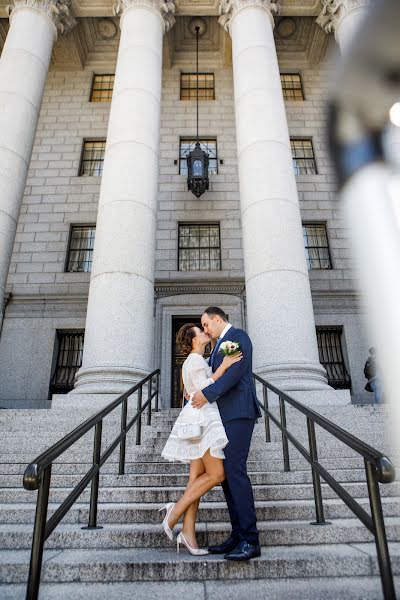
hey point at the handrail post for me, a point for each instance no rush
(94, 492)
(158, 389)
(266, 415)
(39, 536)
(150, 388)
(285, 444)
(122, 446)
(139, 420)
(319, 507)
(385, 567)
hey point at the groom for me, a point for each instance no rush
(236, 398)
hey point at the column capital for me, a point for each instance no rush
(229, 8)
(166, 8)
(59, 11)
(333, 11)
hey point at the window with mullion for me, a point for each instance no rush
(92, 158)
(331, 356)
(205, 85)
(292, 88)
(316, 246)
(303, 157)
(102, 88)
(208, 145)
(199, 247)
(80, 249)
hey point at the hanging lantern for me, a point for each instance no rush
(197, 160)
(197, 163)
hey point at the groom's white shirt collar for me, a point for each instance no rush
(225, 331)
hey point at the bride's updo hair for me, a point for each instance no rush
(184, 338)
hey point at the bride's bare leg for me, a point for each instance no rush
(214, 474)
(197, 468)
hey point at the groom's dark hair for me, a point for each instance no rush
(214, 310)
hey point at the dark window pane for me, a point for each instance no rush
(69, 360)
(316, 246)
(205, 86)
(291, 86)
(303, 157)
(93, 158)
(331, 356)
(80, 249)
(102, 88)
(199, 248)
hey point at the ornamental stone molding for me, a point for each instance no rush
(228, 8)
(333, 11)
(59, 11)
(165, 7)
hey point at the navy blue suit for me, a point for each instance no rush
(235, 395)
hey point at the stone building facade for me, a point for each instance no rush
(133, 319)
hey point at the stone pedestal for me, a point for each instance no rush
(119, 335)
(279, 307)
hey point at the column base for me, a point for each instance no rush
(327, 397)
(107, 380)
(290, 376)
(84, 405)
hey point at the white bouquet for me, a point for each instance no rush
(228, 348)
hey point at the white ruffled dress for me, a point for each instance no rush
(196, 375)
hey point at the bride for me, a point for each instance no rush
(204, 452)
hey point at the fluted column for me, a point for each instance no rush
(24, 64)
(119, 334)
(279, 308)
(343, 17)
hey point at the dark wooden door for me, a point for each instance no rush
(178, 359)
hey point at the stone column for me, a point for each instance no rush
(119, 334)
(279, 308)
(24, 64)
(344, 18)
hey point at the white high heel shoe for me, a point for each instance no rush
(168, 507)
(195, 551)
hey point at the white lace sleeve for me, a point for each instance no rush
(198, 373)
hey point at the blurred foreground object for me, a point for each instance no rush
(364, 117)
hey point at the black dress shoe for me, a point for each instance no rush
(244, 551)
(227, 546)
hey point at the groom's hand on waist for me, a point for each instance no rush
(199, 400)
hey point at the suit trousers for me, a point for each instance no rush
(237, 486)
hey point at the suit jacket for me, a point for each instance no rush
(234, 392)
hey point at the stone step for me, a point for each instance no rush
(144, 455)
(275, 510)
(144, 564)
(43, 440)
(172, 494)
(162, 467)
(151, 535)
(175, 479)
(328, 588)
(362, 425)
(365, 424)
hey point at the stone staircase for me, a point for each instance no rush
(131, 556)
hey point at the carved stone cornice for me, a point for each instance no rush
(333, 11)
(228, 8)
(165, 7)
(178, 288)
(59, 11)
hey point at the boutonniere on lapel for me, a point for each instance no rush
(228, 348)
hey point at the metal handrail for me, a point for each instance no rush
(37, 475)
(378, 469)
